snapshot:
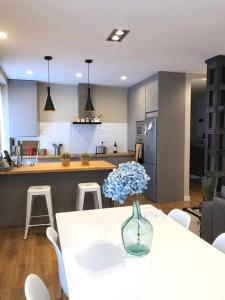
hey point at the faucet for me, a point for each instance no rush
(57, 148)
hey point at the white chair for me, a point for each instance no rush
(180, 217)
(219, 242)
(35, 288)
(44, 190)
(52, 235)
(83, 188)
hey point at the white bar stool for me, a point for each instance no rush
(44, 190)
(83, 188)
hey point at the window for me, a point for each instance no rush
(2, 131)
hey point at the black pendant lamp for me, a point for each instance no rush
(89, 106)
(49, 104)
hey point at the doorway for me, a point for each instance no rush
(197, 136)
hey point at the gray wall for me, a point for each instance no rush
(171, 136)
(65, 99)
(110, 102)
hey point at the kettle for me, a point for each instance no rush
(101, 149)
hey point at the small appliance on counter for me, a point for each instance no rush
(100, 149)
(42, 152)
(4, 165)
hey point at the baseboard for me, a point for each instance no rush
(187, 198)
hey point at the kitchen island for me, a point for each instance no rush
(63, 181)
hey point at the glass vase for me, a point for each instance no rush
(209, 184)
(137, 233)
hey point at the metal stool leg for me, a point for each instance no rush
(28, 213)
(81, 200)
(49, 207)
(99, 197)
(77, 199)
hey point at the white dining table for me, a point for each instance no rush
(180, 265)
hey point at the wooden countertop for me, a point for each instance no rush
(109, 154)
(119, 154)
(95, 165)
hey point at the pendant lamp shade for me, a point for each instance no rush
(89, 106)
(49, 106)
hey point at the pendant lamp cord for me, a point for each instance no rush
(88, 74)
(48, 72)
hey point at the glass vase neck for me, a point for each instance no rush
(136, 210)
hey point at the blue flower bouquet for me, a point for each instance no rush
(129, 179)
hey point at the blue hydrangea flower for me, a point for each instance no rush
(129, 179)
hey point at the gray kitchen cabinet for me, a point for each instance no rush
(152, 94)
(23, 115)
(136, 112)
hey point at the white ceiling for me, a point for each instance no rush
(171, 35)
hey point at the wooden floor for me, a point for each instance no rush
(18, 258)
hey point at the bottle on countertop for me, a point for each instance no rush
(115, 148)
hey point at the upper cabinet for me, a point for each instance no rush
(23, 113)
(136, 112)
(152, 95)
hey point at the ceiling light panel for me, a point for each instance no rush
(29, 72)
(117, 35)
(3, 35)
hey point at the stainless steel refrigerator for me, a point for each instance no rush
(150, 153)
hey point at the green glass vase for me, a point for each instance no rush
(209, 184)
(137, 233)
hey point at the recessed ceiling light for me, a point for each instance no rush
(115, 38)
(79, 75)
(3, 35)
(123, 77)
(29, 72)
(117, 35)
(119, 32)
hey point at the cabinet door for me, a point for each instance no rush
(22, 108)
(136, 112)
(152, 96)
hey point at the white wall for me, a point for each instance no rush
(83, 138)
(65, 99)
(108, 101)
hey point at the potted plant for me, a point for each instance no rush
(209, 185)
(85, 158)
(65, 159)
(131, 179)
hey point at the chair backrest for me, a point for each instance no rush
(52, 235)
(35, 288)
(180, 217)
(219, 242)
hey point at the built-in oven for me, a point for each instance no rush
(140, 130)
(139, 146)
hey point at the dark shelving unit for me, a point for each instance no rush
(215, 121)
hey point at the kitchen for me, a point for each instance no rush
(118, 111)
(48, 129)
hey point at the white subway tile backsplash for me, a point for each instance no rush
(82, 138)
